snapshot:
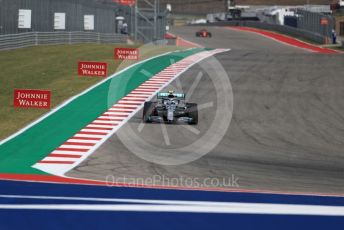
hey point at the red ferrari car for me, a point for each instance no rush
(203, 34)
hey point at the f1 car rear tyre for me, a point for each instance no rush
(148, 111)
(193, 113)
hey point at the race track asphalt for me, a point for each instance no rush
(286, 133)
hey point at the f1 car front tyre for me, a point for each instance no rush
(148, 111)
(193, 113)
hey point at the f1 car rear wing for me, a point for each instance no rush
(180, 96)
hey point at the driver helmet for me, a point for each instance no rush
(171, 94)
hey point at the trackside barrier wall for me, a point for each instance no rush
(14, 41)
(42, 15)
(106, 14)
(312, 21)
(295, 32)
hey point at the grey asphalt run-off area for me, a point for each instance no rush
(286, 133)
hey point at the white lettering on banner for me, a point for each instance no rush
(91, 66)
(32, 96)
(33, 103)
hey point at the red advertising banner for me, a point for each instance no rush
(31, 98)
(92, 69)
(324, 21)
(126, 2)
(127, 54)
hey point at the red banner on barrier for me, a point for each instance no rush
(93, 69)
(324, 21)
(126, 2)
(126, 54)
(29, 98)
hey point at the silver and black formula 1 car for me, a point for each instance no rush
(170, 108)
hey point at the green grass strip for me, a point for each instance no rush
(20, 153)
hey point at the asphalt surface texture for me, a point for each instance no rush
(286, 112)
